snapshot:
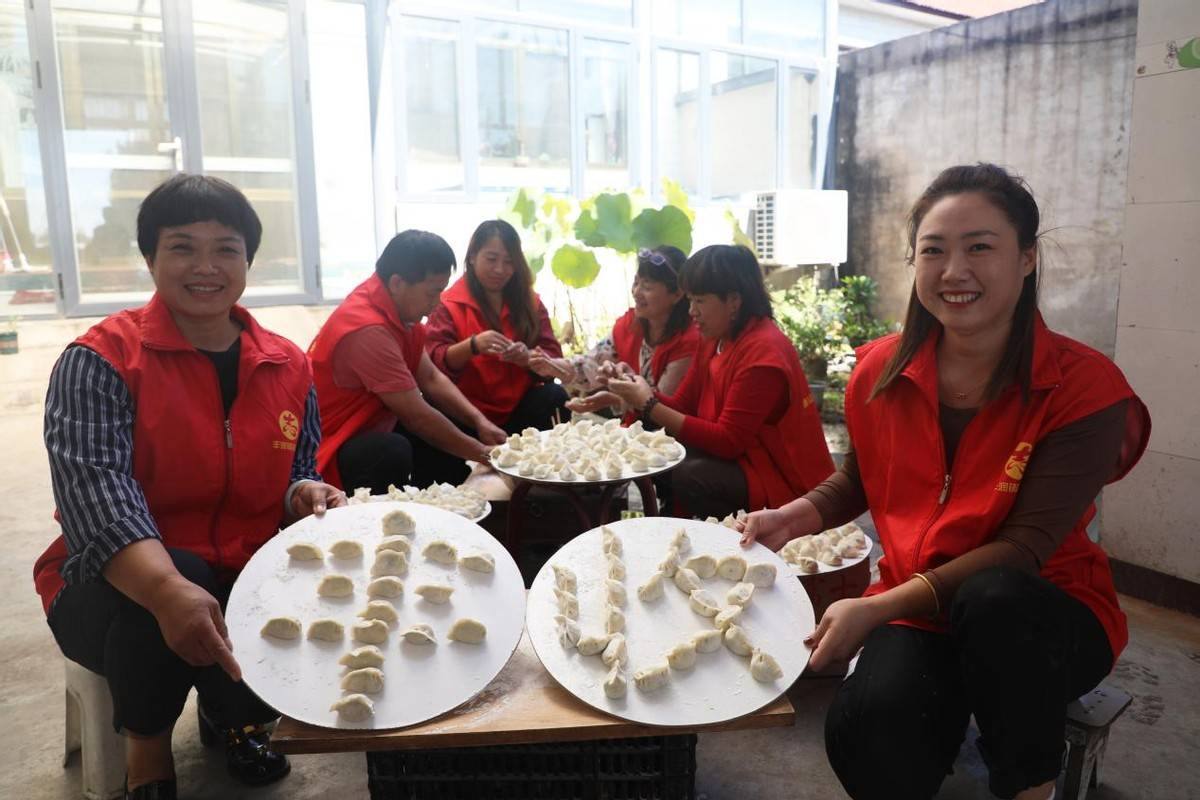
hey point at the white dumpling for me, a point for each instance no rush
(680, 541)
(614, 469)
(370, 631)
(568, 603)
(707, 641)
(591, 645)
(566, 473)
(687, 580)
(526, 467)
(478, 562)
(616, 568)
(669, 565)
(740, 594)
(387, 586)
(652, 678)
(397, 523)
(727, 617)
(440, 551)
(305, 551)
(761, 574)
(703, 603)
(543, 471)
(655, 459)
(731, 568)
(610, 543)
(379, 609)
(345, 548)
(614, 592)
(389, 562)
(615, 684)
(366, 656)
(704, 566)
(827, 556)
(282, 627)
(764, 667)
(635, 429)
(508, 458)
(354, 707)
(638, 464)
(368, 680)
(568, 631)
(846, 549)
(614, 619)
(326, 629)
(564, 578)
(652, 589)
(592, 472)
(616, 651)
(419, 634)
(737, 641)
(682, 656)
(468, 631)
(361, 495)
(335, 585)
(397, 543)
(438, 593)
(808, 565)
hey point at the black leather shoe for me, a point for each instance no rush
(248, 754)
(155, 790)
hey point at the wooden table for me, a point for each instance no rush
(523, 705)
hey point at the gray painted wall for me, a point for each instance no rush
(1045, 91)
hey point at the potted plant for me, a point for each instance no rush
(8, 338)
(814, 319)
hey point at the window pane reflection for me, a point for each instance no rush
(431, 91)
(605, 99)
(744, 126)
(678, 125)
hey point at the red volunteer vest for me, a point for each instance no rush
(346, 412)
(926, 516)
(215, 487)
(627, 342)
(493, 386)
(787, 458)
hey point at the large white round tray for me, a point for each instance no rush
(487, 507)
(301, 678)
(627, 473)
(720, 686)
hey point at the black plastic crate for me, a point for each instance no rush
(651, 768)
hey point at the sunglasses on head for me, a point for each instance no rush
(657, 259)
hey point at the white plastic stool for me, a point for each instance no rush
(89, 728)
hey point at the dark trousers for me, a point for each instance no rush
(97, 626)
(1018, 650)
(704, 486)
(402, 457)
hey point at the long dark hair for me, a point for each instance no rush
(517, 293)
(668, 275)
(722, 269)
(1011, 195)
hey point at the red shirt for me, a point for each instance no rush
(628, 337)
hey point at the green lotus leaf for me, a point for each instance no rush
(577, 267)
(667, 225)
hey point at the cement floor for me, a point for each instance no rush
(1153, 751)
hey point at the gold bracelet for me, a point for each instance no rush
(937, 602)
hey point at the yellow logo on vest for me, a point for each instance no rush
(289, 426)
(1015, 468)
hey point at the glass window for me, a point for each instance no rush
(524, 107)
(605, 99)
(677, 84)
(607, 12)
(793, 25)
(707, 20)
(244, 77)
(802, 102)
(744, 124)
(26, 277)
(431, 91)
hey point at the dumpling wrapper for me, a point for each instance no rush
(386, 586)
(652, 678)
(368, 680)
(764, 667)
(366, 656)
(438, 593)
(419, 634)
(705, 566)
(345, 549)
(335, 585)
(441, 551)
(389, 562)
(326, 629)
(305, 551)
(380, 609)
(468, 631)
(652, 589)
(682, 656)
(397, 523)
(282, 628)
(370, 631)
(478, 562)
(354, 707)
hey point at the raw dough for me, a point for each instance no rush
(282, 627)
(468, 631)
(335, 585)
(305, 551)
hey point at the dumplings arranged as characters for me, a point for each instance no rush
(764, 667)
(703, 603)
(704, 566)
(389, 562)
(761, 575)
(616, 568)
(282, 627)
(440, 551)
(682, 656)
(680, 541)
(615, 684)
(564, 578)
(370, 631)
(568, 603)
(737, 641)
(687, 580)
(345, 548)
(478, 562)
(614, 619)
(397, 523)
(727, 617)
(652, 678)
(335, 585)
(366, 656)
(707, 641)
(652, 589)
(468, 631)
(305, 551)
(438, 593)
(379, 609)
(568, 631)
(731, 568)
(591, 645)
(326, 629)
(670, 565)
(354, 707)
(419, 634)
(368, 680)
(616, 651)
(610, 543)
(740, 594)
(398, 543)
(614, 592)
(387, 586)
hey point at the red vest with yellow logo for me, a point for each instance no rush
(347, 412)
(927, 515)
(214, 486)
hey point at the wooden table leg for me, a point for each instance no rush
(645, 485)
(516, 518)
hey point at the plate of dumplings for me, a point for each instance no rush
(828, 551)
(377, 615)
(669, 622)
(585, 451)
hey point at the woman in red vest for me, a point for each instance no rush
(980, 439)
(655, 339)
(180, 435)
(744, 410)
(491, 335)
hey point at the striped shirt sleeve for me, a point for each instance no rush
(304, 464)
(88, 430)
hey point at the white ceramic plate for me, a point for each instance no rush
(627, 472)
(720, 686)
(301, 678)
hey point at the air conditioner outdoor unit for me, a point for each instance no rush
(801, 226)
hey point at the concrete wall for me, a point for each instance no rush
(1152, 518)
(1043, 90)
